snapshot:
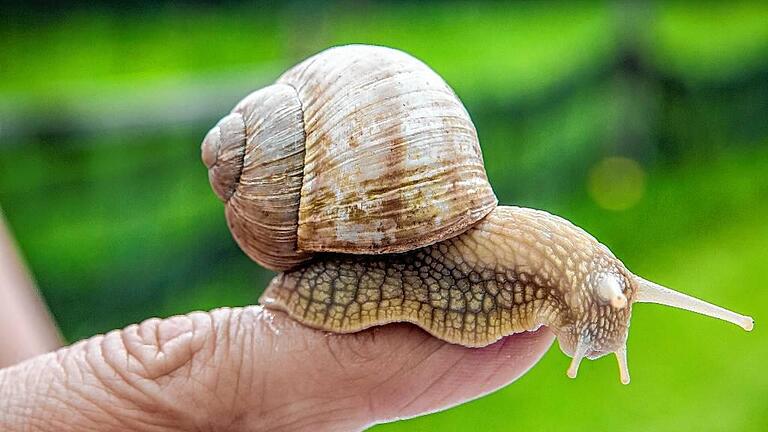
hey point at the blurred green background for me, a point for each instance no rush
(647, 125)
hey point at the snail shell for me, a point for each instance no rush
(358, 149)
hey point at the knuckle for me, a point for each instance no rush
(157, 349)
(157, 366)
(165, 347)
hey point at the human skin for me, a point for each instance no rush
(26, 328)
(241, 369)
(252, 369)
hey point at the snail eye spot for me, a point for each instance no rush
(609, 290)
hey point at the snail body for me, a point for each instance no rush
(496, 279)
(359, 176)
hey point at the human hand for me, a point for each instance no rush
(252, 369)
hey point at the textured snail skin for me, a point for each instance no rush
(516, 270)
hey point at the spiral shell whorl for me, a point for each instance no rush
(222, 152)
(262, 206)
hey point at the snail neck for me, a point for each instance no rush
(495, 279)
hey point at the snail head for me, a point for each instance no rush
(601, 308)
(596, 319)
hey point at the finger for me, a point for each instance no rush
(380, 374)
(449, 375)
(26, 328)
(251, 369)
(400, 371)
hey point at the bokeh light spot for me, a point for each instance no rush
(616, 183)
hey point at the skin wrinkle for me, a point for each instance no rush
(293, 423)
(130, 355)
(220, 340)
(55, 370)
(76, 363)
(519, 349)
(499, 364)
(140, 408)
(286, 415)
(255, 382)
(198, 358)
(239, 329)
(219, 350)
(334, 417)
(149, 387)
(432, 384)
(405, 370)
(452, 388)
(335, 357)
(356, 345)
(264, 317)
(59, 360)
(315, 374)
(84, 395)
(7, 387)
(157, 342)
(106, 383)
(125, 373)
(390, 361)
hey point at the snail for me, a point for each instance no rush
(358, 176)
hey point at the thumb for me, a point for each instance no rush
(252, 369)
